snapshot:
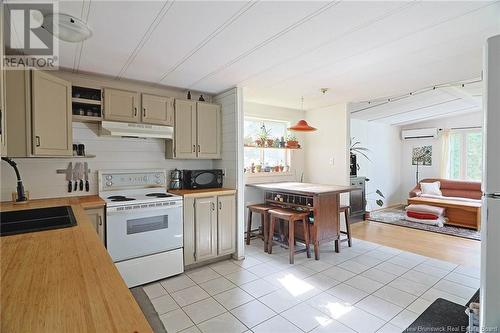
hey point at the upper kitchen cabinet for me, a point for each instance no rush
(121, 105)
(38, 107)
(184, 130)
(197, 131)
(157, 110)
(208, 127)
(51, 110)
(3, 136)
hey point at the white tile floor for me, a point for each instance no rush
(366, 288)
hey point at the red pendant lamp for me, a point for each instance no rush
(302, 125)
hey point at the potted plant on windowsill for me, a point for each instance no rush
(263, 137)
(291, 141)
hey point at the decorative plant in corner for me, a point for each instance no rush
(354, 149)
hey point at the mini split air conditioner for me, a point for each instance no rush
(421, 133)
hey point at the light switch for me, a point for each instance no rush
(331, 161)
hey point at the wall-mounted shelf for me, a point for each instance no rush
(283, 148)
(85, 101)
(86, 119)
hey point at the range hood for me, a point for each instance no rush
(114, 128)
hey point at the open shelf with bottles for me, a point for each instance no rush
(86, 104)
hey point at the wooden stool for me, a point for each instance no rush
(290, 216)
(345, 210)
(261, 209)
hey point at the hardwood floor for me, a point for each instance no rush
(454, 249)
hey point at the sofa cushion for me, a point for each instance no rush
(431, 188)
(422, 216)
(439, 211)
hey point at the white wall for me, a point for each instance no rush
(40, 177)
(232, 155)
(327, 149)
(384, 169)
(408, 179)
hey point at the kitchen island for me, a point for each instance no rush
(323, 201)
(64, 280)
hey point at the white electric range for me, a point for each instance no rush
(144, 225)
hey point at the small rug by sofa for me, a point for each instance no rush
(148, 309)
(396, 216)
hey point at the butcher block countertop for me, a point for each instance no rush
(64, 280)
(303, 188)
(203, 192)
(86, 202)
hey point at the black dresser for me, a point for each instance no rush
(357, 198)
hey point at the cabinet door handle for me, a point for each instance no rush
(220, 205)
(37, 138)
(213, 206)
(144, 112)
(135, 112)
(194, 148)
(100, 220)
(198, 148)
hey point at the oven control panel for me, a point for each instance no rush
(112, 181)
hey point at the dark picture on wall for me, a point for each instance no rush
(422, 155)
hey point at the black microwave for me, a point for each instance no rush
(193, 179)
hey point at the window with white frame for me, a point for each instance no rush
(465, 154)
(271, 157)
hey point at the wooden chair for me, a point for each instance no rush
(261, 209)
(345, 211)
(290, 216)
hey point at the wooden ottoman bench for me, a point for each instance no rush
(460, 213)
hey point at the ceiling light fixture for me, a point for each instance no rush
(66, 27)
(302, 125)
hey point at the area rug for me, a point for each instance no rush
(148, 309)
(396, 216)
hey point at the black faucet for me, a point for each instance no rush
(20, 188)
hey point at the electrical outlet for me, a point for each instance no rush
(331, 161)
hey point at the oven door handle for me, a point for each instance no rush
(114, 210)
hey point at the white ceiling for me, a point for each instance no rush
(426, 105)
(282, 50)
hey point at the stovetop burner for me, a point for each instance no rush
(159, 195)
(120, 198)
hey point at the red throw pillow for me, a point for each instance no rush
(422, 216)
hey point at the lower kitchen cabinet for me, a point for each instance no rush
(96, 216)
(205, 230)
(226, 219)
(209, 227)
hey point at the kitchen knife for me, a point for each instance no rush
(86, 176)
(75, 176)
(80, 176)
(69, 176)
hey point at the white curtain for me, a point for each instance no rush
(445, 153)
